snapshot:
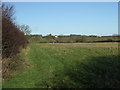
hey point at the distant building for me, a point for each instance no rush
(56, 36)
(49, 36)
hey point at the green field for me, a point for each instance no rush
(51, 65)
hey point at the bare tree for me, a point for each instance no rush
(25, 28)
(8, 12)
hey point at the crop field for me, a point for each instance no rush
(68, 65)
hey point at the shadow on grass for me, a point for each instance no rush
(96, 72)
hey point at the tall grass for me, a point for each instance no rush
(9, 65)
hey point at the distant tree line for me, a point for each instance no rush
(74, 38)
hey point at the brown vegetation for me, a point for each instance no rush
(12, 40)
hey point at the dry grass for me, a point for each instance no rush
(12, 64)
(52, 45)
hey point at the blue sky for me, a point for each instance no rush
(62, 18)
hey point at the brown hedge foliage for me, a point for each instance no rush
(12, 38)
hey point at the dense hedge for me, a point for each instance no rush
(12, 38)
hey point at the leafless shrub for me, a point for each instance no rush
(12, 38)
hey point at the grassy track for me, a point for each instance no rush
(68, 65)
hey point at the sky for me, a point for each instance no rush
(64, 18)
